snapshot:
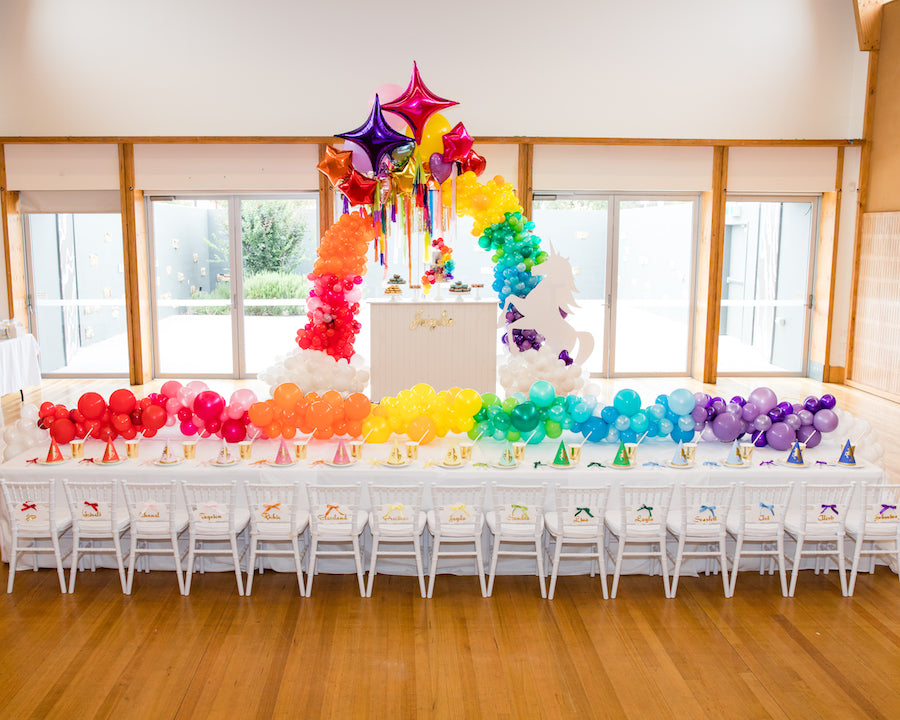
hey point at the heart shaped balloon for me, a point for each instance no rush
(440, 170)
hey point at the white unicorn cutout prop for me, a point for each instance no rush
(542, 309)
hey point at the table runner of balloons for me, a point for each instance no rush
(422, 413)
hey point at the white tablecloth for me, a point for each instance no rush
(19, 366)
(652, 469)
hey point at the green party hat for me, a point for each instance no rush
(562, 457)
(621, 457)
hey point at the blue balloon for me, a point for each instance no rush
(628, 436)
(657, 411)
(580, 412)
(590, 401)
(609, 414)
(682, 401)
(627, 402)
(623, 422)
(679, 435)
(639, 422)
(665, 427)
(686, 422)
(595, 429)
(663, 400)
(612, 435)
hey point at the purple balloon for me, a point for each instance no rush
(439, 169)
(718, 405)
(749, 411)
(806, 417)
(812, 404)
(776, 414)
(739, 400)
(726, 427)
(759, 438)
(375, 136)
(828, 402)
(702, 398)
(825, 420)
(792, 421)
(762, 422)
(809, 435)
(795, 408)
(710, 412)
(780, 436)
(698, 414)
(787, 407)
(733, 408)
(699, 425)
(764, 399)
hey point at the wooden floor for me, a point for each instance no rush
(99, 654)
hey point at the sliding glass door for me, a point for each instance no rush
(229, 275)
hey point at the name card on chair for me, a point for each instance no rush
(823, 513)
(517, 513)
(331, 513)
(763, 513)
(210, 512)
(34, 512)
(152, 511)
(642, 515)
(881, 512)
(94, 510)
(395, 513)
(270, 512)
(456, 514)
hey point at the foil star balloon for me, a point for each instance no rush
(405, 178)
(336, 165)
(457, 143)
(417, 104)
(473, 162)
(375, 136)
(359, 189)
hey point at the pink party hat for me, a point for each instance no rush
(283, 456)
(340, 455)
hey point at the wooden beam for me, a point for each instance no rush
(829, 374)
(137, 292)
(867, 14)
(13, 251)
(326, 198)
(524, 183)
(4, 232)
(865, 158)
(716, 232)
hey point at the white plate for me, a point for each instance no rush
(451, 467)
(58, 462)
(570, 466)
(160, 463)
(329, 463)
(504, 467)
(272, 463)
(742, 466)
(114, 462)
(386, 464)
(213, 463)
(785, 463)
(681, 467)
(858, 466)
(620, 467)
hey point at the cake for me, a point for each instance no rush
(734, 455)
(562, 457)
(796, 455)
(507, 459)
(680, 456)
(452, 459)
(848, 456)
(54, 455)
(110, 455)
(459, 287)
(224, 457)
(340, 455)
(167, 458)
(396, 456)
(283, 456)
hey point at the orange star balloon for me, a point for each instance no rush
(336, 165)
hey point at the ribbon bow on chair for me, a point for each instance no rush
(269, 508)
(523, 508)
(31, 506)
(647, 508)
(329, 508)
(770, 508)
(579, 510)
(833, 508)
(461, 507)
(94, 506)
(708, 508)
(885, 508)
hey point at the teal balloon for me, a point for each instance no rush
(553, 429)
(657, 411)
(639, 422)
(542, 393)
(479, 428)
(628, 402)
(682, 401)
(665, 427)
(556, 413)
(501, 421)
(499, 435)
(536, 435)
(581, 412)
(525, 417)
(481, 415)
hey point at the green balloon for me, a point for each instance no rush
(525, 417)
(489, 399)
(513, 435)
(509, 404)
(554, 429)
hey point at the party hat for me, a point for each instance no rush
(734, 455)
(621, 458)
(340, 455)
(110, 454)
(796, 456)
(680, 457)
(54, 455)
(847, 454)
(396, 456)
(507, 458)
(562, 457)
(283, 456)
(451, 459)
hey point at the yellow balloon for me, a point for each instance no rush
(423, 391)
(376, 429)
(432, 137)
(462, 425)
(442, 421)
(467, 403)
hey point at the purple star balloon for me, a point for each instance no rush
(375, 136)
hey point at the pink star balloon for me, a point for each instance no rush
(457, 143)
(417, 104)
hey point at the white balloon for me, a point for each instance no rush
(30, 412)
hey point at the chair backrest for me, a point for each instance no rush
(395, 506)
(705, 508)
(333, 507)
(824, 507)
(880, 507)
(273, 504)
(459, 506)
(150, 502)
(763, 507)
(581, 509)
(645, 508)
(520, 505)
(31, 504)
(210, 506)
(93, 504)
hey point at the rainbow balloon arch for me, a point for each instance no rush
(409, 175)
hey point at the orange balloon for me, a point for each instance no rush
(323, 433)
(354, 428)
(286, 395)
(260, 414)
(422, 429)
(288, 432)
(357, 407)
(333, 398)
(272, 430)
(321, 414)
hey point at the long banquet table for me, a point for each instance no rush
(652, 469)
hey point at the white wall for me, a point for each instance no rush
(601, 68)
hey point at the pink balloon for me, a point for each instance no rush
(235, 412)
(197, 386)
(233, 431)
(173, 405)
(388, 93)
(198, 421)
(361, 161)
(209, 405)
(171, 420)
(188, 428)
(170, 388)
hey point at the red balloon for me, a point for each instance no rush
(184, 414)
(80, 430)
(154, 417)
(129, 434)
(233, 431)
(474, 162)
(92, 427)
(107, 433)
(47, 408)
(122, 401)
(121, 422)
(91, 405)
(136, 416)
(208, 405)
(63, 430)
(148, 433)
(61, 412)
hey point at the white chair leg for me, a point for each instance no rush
(74, 569)
(132, 561)
(495, 555)
(359, 567)
(539, 551)
(782, 572)
(723, 567)
(311, 565)
(796, 568)
(120, 562)
(176, 555)
(620, 552)
(676, 573)
(841, 566)
(251, 563)
(664, 566)
(190, 569)
(298, 566)
(436, 544)
(59, 566)
(372, 566)
(237, 566)
(419, 570)
(554, 570)
(735, 565)
(479, 561)
(854, 566)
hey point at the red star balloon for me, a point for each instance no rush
(336, 165)
(359, 189)
(375, 136)
(417, 104)
(457, 143)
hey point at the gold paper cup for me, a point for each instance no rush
(190, 449)
(690, 452)
(519, 451)
(631, 452)
(246, 449)
(131, 448)
(412, 450)
(465, 451)
(575, 454)
(745, 450)
(356, 449)
(300, 450)
(77, 448)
